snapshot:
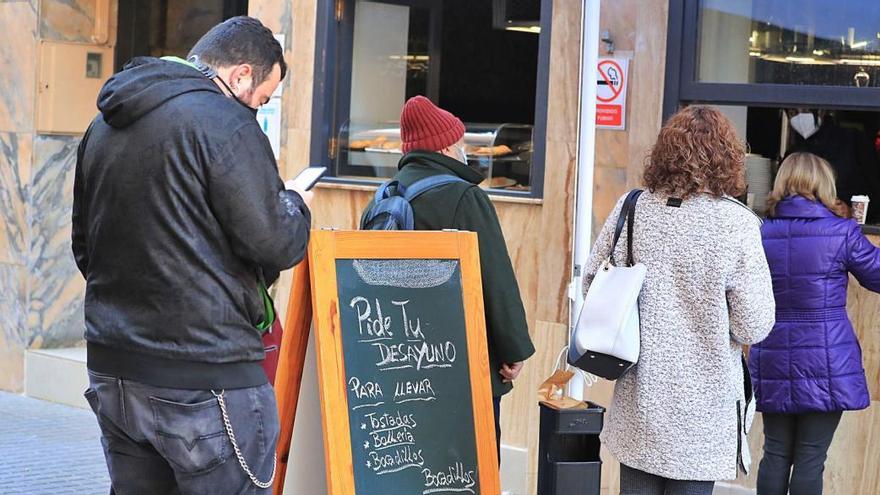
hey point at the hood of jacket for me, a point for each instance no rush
(144, 85)
(443, 162)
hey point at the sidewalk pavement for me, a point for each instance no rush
(51, 449)
(47, 448)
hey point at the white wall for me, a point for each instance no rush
(305, 466)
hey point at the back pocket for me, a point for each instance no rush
(91, 396)
(190, 436)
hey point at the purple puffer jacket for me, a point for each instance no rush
(812, 361)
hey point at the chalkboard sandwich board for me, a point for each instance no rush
(402, 363)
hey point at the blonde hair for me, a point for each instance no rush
(805, 174)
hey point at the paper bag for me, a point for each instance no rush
(552, 392)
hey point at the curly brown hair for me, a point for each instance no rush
(697, 151)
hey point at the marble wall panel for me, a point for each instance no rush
(557, 212)
(864, 311)
(299, 18)
(563, 91)
(15, 170)
(56, 292)
(67, 20)
(18, 49)
(609, 186)
(13, 314)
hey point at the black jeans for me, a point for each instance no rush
(172, 441)
(636, 482)
(795, 449)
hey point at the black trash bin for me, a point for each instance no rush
(568, 451)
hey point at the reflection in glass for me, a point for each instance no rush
(812, 42)
(488, 74)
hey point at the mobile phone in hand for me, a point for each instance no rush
(306, 179)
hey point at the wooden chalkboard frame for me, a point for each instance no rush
(291, 362)
(328, 246)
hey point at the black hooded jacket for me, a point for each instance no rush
(178, 215)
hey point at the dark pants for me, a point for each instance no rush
(795, 449)
(172, 441)
(635, 482)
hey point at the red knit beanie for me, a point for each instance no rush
(425, 126)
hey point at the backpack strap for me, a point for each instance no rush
(388, 189)
(419, 187)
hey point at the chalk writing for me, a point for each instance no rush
(406, 391)
(455, 478)
(420, 356)
(405, 353)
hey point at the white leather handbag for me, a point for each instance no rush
(606, 338)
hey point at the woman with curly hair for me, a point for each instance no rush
(678, 418)
(809, 370)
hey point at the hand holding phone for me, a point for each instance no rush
(306, 179)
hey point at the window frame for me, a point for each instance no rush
(332, 88)
(684, 87)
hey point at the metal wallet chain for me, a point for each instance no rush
(238, 454)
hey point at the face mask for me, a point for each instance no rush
(804, 124)
(235, 97)
(462, 156)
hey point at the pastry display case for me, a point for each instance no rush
(502, 152)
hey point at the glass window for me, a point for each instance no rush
(390, 63)
(479, 60)
(157, 28)
(849, 140)
(804, 42)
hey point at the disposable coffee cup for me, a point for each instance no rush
(860, 208)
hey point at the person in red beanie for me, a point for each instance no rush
(433, 144)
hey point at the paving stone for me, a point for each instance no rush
(50, 449)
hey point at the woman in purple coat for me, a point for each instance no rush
(809, 370)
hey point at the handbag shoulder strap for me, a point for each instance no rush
(741, 205)
(626, 217)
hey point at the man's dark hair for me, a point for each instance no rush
(241, 40)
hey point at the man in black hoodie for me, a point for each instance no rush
(180, 221)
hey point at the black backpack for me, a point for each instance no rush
(391, 209)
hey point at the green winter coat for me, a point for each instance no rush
(464, 206)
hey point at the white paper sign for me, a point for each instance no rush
(269, 118)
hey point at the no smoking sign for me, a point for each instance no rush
(611, 84)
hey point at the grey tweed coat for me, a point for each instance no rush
(680, 412)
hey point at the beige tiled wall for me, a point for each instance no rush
(18, 35)
(55, 296)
